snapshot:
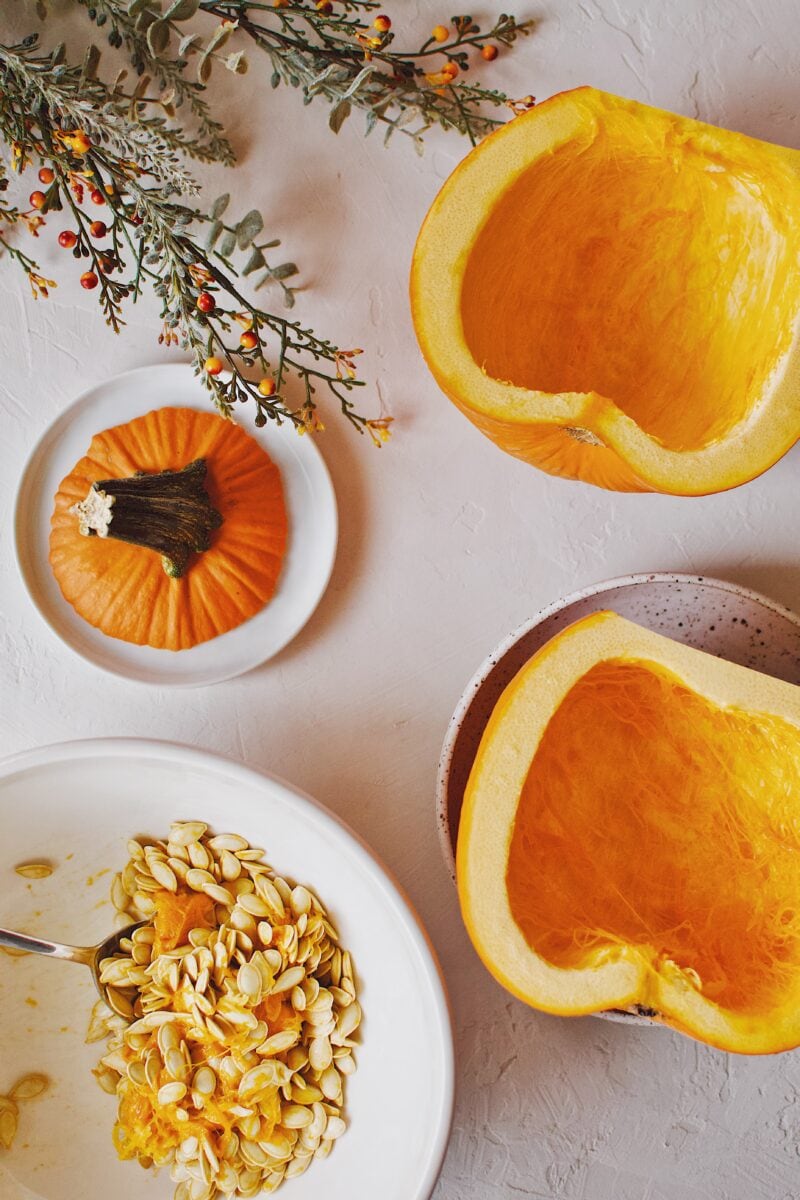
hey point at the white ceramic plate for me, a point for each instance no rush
(75, 805)
(721, 618)
(313, 527)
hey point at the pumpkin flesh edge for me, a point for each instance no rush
(626, 974)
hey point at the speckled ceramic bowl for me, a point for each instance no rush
(721, 618)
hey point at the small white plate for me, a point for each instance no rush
(313, 530)
(721, 618)
(76, 805)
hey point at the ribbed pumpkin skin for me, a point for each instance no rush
(123, 589)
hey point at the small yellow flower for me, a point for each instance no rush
(345, 367)
(40, 285)
(379, 430)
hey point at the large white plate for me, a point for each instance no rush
(76, 805)
(313, 529)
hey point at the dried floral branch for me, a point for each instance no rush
(123, 145)
(155, 238)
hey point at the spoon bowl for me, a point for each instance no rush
(87, 956)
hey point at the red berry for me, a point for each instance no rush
(96, 196)
(37, 199)
(98, 229)
(67, 239)
(89, 280)
(136, 219)
(46, 175)
(206, 302)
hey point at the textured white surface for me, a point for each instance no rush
(446, 545)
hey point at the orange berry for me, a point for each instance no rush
(46, 175)
(206, 302)
(248, 340)
(98, 229)
(96, 196)
(325, 7)
(89, 280)
(37, 199)
(440, 33)
(67, 239)
(80, 142)
(489, 53)
(450, 70)
(266, 387)
(213, 365)
(382, 23)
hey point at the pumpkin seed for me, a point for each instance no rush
(34, 870)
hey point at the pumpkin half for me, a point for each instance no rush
(631, 837)
(122, 588)
(611, 292)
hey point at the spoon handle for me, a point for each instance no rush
(22, 941)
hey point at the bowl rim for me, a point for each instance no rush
(180, 752)
(493, 658)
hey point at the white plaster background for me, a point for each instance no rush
(446, 544)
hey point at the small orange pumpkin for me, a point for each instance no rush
(122, 589)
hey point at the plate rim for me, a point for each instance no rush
(181, 752)
(496, 655)
(54, 428)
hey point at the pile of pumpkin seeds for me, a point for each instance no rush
(241, 1038)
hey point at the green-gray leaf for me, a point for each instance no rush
(253, 263)
(248, 228)
(219, 206)
(339, 115)
(214, 230)
(227, 245)
(284, 271)
(181, 10)
(90, 62)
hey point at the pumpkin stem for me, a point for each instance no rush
(168, 512)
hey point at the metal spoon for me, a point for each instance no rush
(87, 956)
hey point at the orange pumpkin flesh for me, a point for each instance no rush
(631, 835)
(122, 589)
(611, 292)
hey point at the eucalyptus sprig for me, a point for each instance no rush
(114, 145)
(338, 52)
(152, 235)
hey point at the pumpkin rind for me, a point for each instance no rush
(599, 267)
(677, 891)
(121, 588)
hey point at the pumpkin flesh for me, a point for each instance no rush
(638, 834)
(612, 292)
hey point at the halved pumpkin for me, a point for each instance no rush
(611, 292)
(631, 836)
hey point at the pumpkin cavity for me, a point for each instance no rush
(647, 259)
(654, 819)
